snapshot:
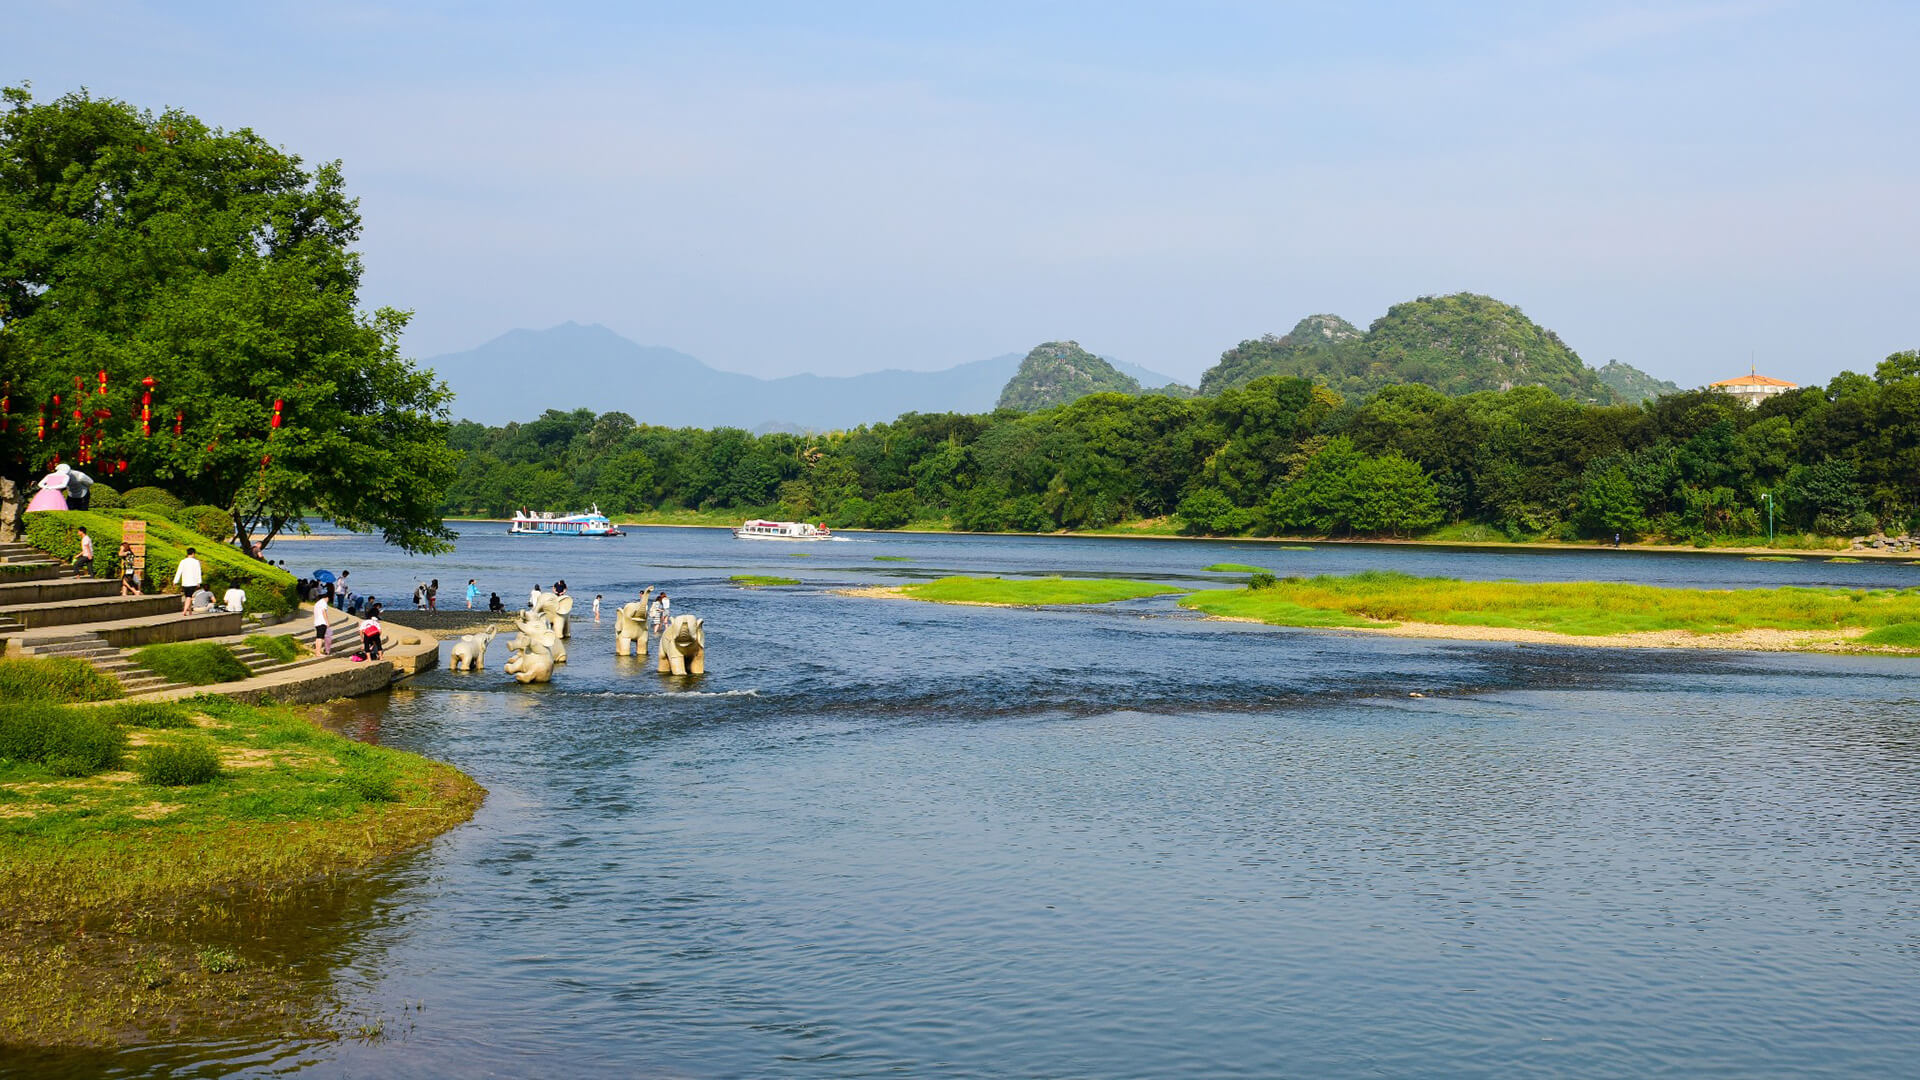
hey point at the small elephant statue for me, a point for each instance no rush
(630, 627)
(535, 632)
(683, 646)
(533, 665)
(554, 607)
(470, 652)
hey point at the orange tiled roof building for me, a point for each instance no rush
(1753, 389)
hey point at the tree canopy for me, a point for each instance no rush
(1278, 455)
(138, 246)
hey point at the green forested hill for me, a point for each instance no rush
(1058, 372)
(1300, 353)
(1457, 344)
(1633, 386)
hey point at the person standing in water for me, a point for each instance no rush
(473, 591)
(596, 607)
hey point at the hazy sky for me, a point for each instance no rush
(843, 187)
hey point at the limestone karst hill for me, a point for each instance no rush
(1458, 344)
(1057, 372)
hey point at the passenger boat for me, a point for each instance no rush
(590, 523)
(780, 530)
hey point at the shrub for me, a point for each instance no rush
(152, 497)
(104, 497)
(148, 714)
(1262, 579)
(179, 763)
(55, 679)
(280, 647)
(209, 521)
(197, 663)
(269, 590)
(69, 741)
(372, 786)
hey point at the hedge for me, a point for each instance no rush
(268, 589)
(152, 496)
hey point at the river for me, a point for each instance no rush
(885, 837)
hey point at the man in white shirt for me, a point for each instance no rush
(235, 599)
(187, 575)
(322, 629)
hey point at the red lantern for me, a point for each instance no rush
(120, 466)
(103, 383)
(43, 424)
(146, 406)
(278, 405)
(179, 418)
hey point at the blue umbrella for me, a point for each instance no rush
(323, 575)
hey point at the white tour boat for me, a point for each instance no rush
(590, 523)
(781, 530)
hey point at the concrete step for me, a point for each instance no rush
(91, 610)
(31, 571)
(51, 589)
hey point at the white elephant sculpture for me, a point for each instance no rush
(683, 646)
(470, 652)
(533, 665)
(630, 627)
(535, 632)
(554, 607)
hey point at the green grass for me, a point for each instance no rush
(1899, 635)
(891, 558)
(1236, 568)
(280, 647)
(57, 533)
(181, 763)
(1297, 547)
(196, 663)
(1033, 592)
(62, 740)
(1845, 559)
(148, 714)
(1772, 558)
(1574, 608)
(128, 874)
(755, 581)
(55, 679)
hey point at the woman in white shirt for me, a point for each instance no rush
(322, 629)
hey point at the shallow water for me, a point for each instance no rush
(890, 837)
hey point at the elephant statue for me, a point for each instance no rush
(533, 665)
(535, 632)
(630, 627)
(554, 607)
(470, 652)
(683, 646)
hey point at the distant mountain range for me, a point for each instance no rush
(522, 373)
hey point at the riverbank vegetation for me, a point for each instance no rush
(55, 679)
(1279, 455)
(1030, 592)
(116, 879)
(1577, 609)
(196, 663)
(756, 581)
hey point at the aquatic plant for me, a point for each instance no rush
(1033, 592)
(755, 581)
(1576, 608)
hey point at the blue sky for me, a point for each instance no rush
(844, 187)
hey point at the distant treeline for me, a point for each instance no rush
(1277, 456)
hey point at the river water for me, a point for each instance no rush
(885, 837)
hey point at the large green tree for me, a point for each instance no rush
(137, 246)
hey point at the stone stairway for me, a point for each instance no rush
(84, 645)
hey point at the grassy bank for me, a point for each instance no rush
(114, 887)
(1030, 592)
(1575, 609)
(57, 532)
